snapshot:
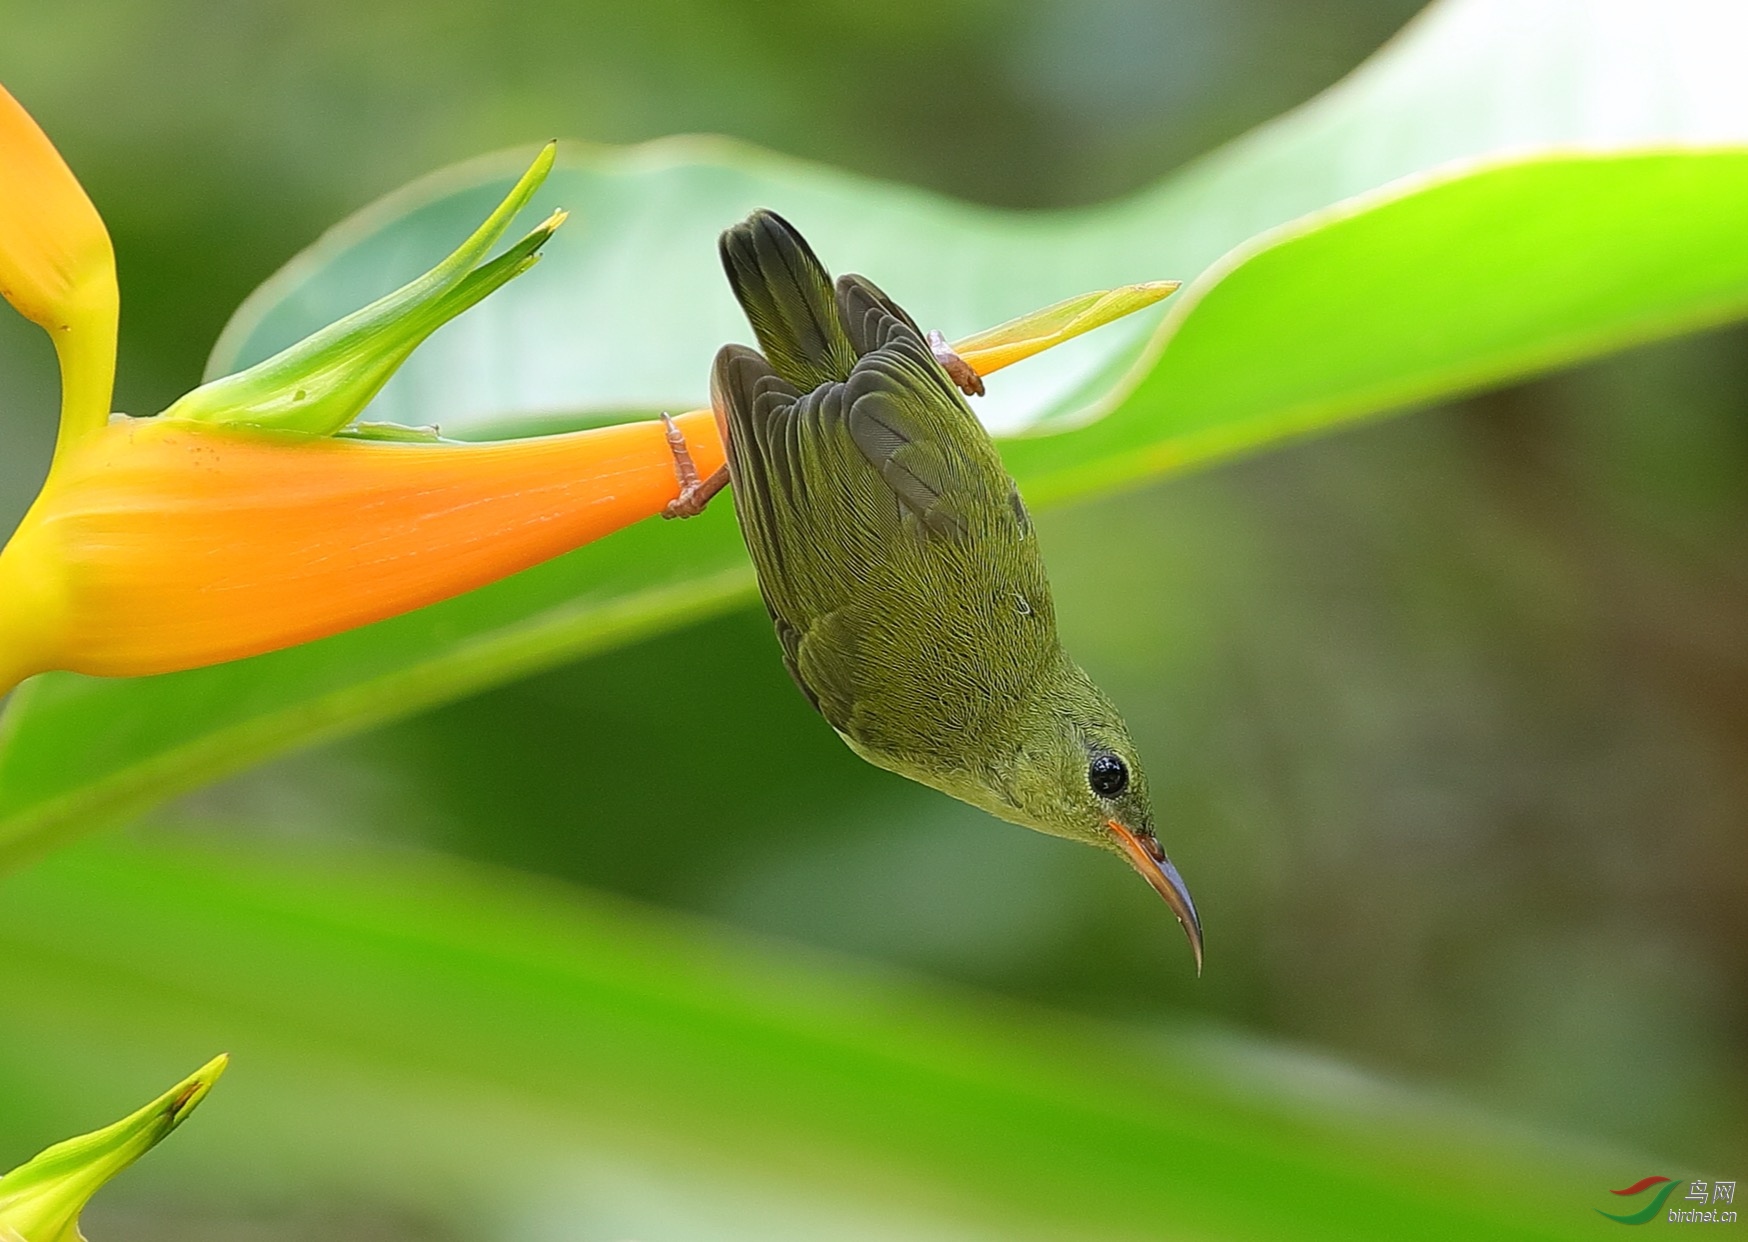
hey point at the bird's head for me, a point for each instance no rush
(1074, 773)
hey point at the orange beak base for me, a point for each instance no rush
(1145, 854)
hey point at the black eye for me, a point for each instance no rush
(1108, 775)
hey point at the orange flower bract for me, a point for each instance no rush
(164, 544)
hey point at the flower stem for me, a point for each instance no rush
(85, 348)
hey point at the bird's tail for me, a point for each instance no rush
(788, 298)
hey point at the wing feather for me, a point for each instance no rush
(859, 500)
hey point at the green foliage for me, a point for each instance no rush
(496, 1049)
(1504, 188)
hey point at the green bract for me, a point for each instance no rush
(321, 383)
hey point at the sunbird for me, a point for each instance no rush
(899, 564)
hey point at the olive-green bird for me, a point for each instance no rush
(899, 564)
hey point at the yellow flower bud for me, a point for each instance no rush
(41, 1201)
(1018, 339)
(57, 267)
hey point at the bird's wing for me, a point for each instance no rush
(912, 425)
(807, 508)
(840, 488)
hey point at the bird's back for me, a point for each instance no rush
(898, 564)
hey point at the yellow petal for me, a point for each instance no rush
(1017, 339)
(57, 267)
(163, 545)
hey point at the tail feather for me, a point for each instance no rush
(788, 298)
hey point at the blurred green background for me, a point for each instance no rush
(1447, 716)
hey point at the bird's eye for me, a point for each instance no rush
(1108, 775)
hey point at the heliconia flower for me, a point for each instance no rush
(238, 522)
(40, 1201)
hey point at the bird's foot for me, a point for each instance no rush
(695, 492)
(958, 370)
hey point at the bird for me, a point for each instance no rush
(899, 565)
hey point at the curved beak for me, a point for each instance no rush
(1147, 856)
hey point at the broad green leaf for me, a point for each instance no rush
(1509, 186)
(538, 1063)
